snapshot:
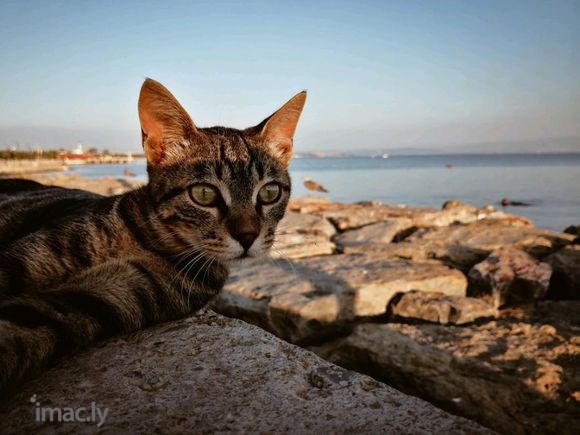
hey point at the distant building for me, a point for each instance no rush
(78, 151)
(76, 156)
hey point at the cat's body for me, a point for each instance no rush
(76, 267)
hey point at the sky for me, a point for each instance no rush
(379, 74)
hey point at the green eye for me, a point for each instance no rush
(269, 193)
(204, 194)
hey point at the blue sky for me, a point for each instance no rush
(379, 74)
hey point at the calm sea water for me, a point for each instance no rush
(551, 183)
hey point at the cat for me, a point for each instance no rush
(77, 267)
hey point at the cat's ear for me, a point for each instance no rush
(277, 131)
(164, 122)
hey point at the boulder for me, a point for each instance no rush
(439, 308)
(509, 277)
(210, 374)
(380, 232)
(514, 376)
(565, 282)
(303, 235)
(309, 299)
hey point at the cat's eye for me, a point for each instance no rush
(269, 193)
(204, 194)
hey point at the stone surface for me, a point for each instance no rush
(566, 276)
(305, 300)
(439, 308)
(515, 376)
(509, 277)
(465, 245)
(380, 232)
(209, 374)
(302, 235)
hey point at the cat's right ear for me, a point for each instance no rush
(277, 130)
(164, 122)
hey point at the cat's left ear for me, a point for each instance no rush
(164, 122)
(277, 131)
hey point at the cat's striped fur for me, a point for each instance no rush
(76, 267)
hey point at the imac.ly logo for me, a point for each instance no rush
(82, 414)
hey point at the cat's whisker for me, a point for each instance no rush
(207, 270)
(185, 255)
(201, 268)
(190, 262)
(191, 282)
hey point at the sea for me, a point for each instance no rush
(548, 183)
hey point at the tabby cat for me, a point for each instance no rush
(76, 267)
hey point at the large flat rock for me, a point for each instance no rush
(464, 245)
(513, 375)
(302, 235)
(379, 232)
(304, 300)
(210, 374)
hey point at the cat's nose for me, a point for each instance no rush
(246, 239)
(244, 229)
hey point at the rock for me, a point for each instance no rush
(375, 281)
(439, 308)
(380, 232)
(210, 374)
(347, 217)
(309, 203)
(463, 246)
(565, 282)
(309, 299)
(573, 229)
(360, 215)
(398, 251)
(512, 376)
(303, 235)
(509, 277)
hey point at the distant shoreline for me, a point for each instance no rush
(25, 166)
(379, 155)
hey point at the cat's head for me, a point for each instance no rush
(218, 192)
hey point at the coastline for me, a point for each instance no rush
(449, 304)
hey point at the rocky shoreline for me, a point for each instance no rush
(472, 309)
